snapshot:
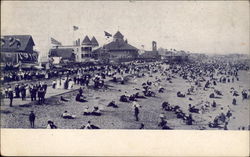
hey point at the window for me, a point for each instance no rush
(82, 55)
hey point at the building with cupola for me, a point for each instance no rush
(119, 50)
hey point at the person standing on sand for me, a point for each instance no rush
(137, 111)
(32, 118)
(23, 91)
(10, 95)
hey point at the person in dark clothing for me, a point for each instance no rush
(51, 125)
(35, 89)
(32, 118)
(80, 98)
(165, 127)
(43, 95)
(112, 104)
(17, 91)
(234, 101)
(80, 91)
(190, 120)
(40, 95)
(137, 113)
(142, 126)
(45, 87)
(11, 96)
(23, 92)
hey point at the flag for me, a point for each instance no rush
(55, 42)
(75, 28)
(2, 41)
(107, 34)
(18, 42)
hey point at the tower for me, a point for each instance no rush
(154, 46)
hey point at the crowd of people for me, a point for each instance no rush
(202, 76)
(36, 92)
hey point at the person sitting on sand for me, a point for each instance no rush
(80, 98)
(214, 104)
(162, 123)
(132, 97)
(165, 127)
(179, 94)
(212, 95)
(190, 120)
(162, 119)
(180, 114)
(112, 104)
(96, 111)
(193, 109)
(234, 101)
(161, 89)
(66, 115)
(244, 95)
(124, 98)
(86, 111)
(88, 125)
(218, 92)
(164, 105)
(235, 93)
(149, 93)
(51, 125)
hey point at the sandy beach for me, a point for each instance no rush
(123, 116)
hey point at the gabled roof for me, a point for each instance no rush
(94, 41)
(86, 41)
(119, 45)
(15, 43)
(118, 35)
(65, 53)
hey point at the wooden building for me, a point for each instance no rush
(17, 49)
(118, 50)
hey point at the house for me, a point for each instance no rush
(119, 50)
(82, 50)
(18, 49)
(58, 55)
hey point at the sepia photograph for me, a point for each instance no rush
(126, 65)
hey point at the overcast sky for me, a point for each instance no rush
(200, 27)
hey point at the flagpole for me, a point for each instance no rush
(73, 36)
